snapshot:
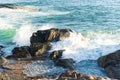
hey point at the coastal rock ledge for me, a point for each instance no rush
(72, 75)
(111, 64)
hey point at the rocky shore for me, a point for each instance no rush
(13, 66)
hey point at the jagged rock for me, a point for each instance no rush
(40, 49)
(110, 59)
(4, 76)
(14, 6)
(56, 54)
(66, 63)
(71, 75)
(20, 52)
(11, 6)
(49, 35)
(111, 63)
(113, 71)
(1, 52)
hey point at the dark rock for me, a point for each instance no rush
(0, 49)
(40, 49)
(111, 63)
(11, 6)
(20, 52)
(113, 71)
(1, 46)
(66, 63)
(71, 75)
(49, 35)
(56, 54)
(110, 59)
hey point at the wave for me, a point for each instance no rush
(79, 48)
(23, 34)
(5, 25)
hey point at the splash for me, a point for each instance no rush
(5, 25)
(80, 48)
(23, 34)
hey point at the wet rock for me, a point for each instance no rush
(66, 63)
(1, 52)
(72, 75)
(111, 64)
(4, 76)
(14, 6)
(1, 46)
(11, 6)
(110, 59)
(113, 71)
(40, 49)
(56, 54)
(16, 65)
(20, 52)
(49, 35)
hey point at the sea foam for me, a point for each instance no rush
(81, 48)
(23, 34)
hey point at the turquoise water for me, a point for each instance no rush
(97, 20)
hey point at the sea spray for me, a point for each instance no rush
(81, 48)
(23, 34)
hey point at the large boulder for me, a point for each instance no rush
(72, 75)
(20, 52)
(49, 35)
(111, 64)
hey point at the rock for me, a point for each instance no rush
(110, 59)
(1, 52)
(72, 75)
(20, 52)
(1, 46)
(49, 35)
(111, 64)
(56, 54)
(14, 6)
(66, 63)
(113, 71)
(11, 6)
(4, 76)
(40, 49)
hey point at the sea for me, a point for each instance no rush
(97, 20)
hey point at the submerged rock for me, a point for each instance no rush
(111, 64)
(72, 75)
(20, 52)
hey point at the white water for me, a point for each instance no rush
(23, 34)
(80, 49)
(77, 46)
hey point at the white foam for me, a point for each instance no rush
(23, 34)
(79, 48)
(5, 25)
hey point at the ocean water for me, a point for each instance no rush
(97, 20)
